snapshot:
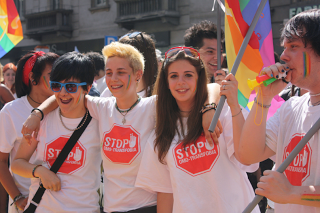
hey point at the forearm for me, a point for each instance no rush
(47, 106)
(252, 146)
(164, 202)
(22, 167)
(237, 125)
(305, 195)
(213, 93)
(7, 181)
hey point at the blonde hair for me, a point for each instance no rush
(116, 49)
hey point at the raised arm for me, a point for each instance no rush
(213, 97)
(252, 147)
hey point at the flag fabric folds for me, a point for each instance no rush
(259, 52)
(10, 26)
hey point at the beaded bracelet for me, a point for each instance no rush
(39, 111)
(261, 105)
(34, 169)
(208, 106)
(16, 198)
(208, 110)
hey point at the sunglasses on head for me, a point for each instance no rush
(133, 35)
(69, 87)
(187, 50)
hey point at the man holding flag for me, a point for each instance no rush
(298, 188)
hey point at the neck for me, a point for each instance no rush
(126, 102)
(37, 97)
(140, 86)
(79, 112)
(185, 109)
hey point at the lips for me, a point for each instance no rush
(65, 101)
(182, 91)
(116, 87)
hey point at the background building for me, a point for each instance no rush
(61, 26)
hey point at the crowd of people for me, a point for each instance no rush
(147, 136)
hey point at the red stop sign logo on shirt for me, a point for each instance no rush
(198, 158)
(121, 144)
(74, 161)
(299, 169)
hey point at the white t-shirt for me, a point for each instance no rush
(12, 117)
(122, 147)
(203, 179)
(80, 172)
(284, 130)
(100, 84)
(107, 93)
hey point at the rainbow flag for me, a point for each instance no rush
(259, 52)
(10, 26)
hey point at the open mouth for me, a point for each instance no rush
(182, 91)
(65, 101)
(116, 87)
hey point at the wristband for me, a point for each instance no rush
(39, 111)
(208, 106)
(34, 169)
(16, 198)
(208, 110)
(261, 105)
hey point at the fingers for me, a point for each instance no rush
(208, 137)
(276, 70)
(219, 125)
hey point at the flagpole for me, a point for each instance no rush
(287, 161)
(237, 61)
(219, 38)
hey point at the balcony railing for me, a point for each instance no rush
(130, 11)
(54, 19)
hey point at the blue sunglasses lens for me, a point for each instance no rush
(70, 87)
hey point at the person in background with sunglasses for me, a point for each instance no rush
(125, 122)
(32, 87)
(145, 44)
(189, 174)
(74, 187)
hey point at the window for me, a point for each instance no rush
(98, 3)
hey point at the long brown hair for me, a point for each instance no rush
(168, 112)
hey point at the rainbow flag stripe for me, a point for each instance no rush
(10, 26)
(306, 63)
(311, 197)
(259, 52)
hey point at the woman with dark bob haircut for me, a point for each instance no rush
(178, 163)
(32, 87)
(74, 187)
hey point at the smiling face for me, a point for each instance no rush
(71, 104)
(182, 81)
(292, 55)
(121, 80)
(9, 77)
(208, 54)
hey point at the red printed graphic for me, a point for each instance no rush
(299, 168)
(121, 144)
(74, 161)
(196, 159)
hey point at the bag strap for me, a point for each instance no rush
(58, 162)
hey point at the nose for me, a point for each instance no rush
(284, 56)
(181, 80)
(114, 77)
(63, 91)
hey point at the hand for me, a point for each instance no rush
(229, 88)
(219, 76)
(275, 186)
(30, 128)
(206, 121)
(48, 178)
(276, 87)
(21, 203)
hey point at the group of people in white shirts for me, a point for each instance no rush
(155, 150)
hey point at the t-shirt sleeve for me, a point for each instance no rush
(106, 93)
(94, 105)
(8, 133)
(228, 137)
(272, 130)
(153, 175)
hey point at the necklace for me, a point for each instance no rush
(33, 100)
(314, 94)
(315, 104)
(125, 112)
(75, 128)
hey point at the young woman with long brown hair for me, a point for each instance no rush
(188, 174)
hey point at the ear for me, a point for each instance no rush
(30, 76)
(89, 88)
(138, 75)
